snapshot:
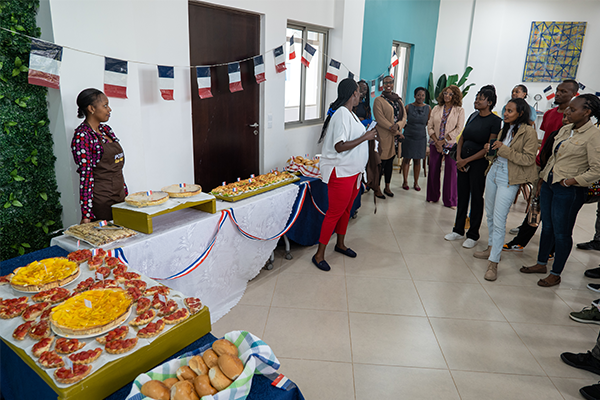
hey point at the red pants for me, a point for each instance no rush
(341, 193)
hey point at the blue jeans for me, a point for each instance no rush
(559, 206)
(499, 196)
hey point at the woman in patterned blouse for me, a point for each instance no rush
(99, 158)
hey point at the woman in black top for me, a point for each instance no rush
(481, 127)
(363, 109)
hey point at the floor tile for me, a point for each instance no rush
(383, 296)
(260, 290)
(320, 379)
(420, 243)
(302, 262)
(569, 388)
(431, 267)
(317, 292)
(478, 386)
(242, 317)
(577, 299)
(377, 263)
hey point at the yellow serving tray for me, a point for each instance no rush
(255, 192)
(116, 374)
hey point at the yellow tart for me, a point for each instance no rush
(45, 274)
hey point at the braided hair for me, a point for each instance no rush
(523, 110)
(345, 89)
(592, 103)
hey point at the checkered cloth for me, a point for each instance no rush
(312, 171)
(257, 356)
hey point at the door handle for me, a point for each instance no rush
(254, 125)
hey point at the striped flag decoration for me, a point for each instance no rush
(115, 78)
(166, 81)
(549, 93)
(581, 86)
(307, 54)
(279, 59)
(259, 69)
(44, 64)
(203, 77)
(102, 223)
(281, 382)
(333, 70)
(350, 75)
(394, 59)
(292, 48)
(235, 77)
(373, 87)
(380, 80)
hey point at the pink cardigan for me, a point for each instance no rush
(454, 124)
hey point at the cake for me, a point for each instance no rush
(45, 274)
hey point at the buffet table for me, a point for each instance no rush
(206, 255)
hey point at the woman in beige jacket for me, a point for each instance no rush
(390, 115)
(446, 122)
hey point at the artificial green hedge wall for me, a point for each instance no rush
(29, 200)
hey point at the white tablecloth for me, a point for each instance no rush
(179, 238)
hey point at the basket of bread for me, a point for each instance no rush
(217, 371)
(304, 165)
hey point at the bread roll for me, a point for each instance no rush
(224, 346)
(156, 390)
(198, 365)
(203, 386)
(210, 358)
(170, 382)
(218, 379)
(184, 390)
(231, 366)
(185, 373)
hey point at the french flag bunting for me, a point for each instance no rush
(333, 70)
(115, 78)
(581, 86)
(166, 81)
(279, 59)
(394, 61)
(373, 87)
(292, 48)
(549, 93)
(203, 77)
(307, 54)
(350, 75)
(259, 69)
(235, 77)
(380, 80)
(44, 64)
(391, 71)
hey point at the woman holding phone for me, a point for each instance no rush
(513, 164)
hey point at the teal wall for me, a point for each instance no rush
(409, 21)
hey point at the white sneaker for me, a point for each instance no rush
(454, 236)
(469, 243)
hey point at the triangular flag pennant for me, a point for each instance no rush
(549, 93)
(259, 69)
(115, 78)
(235, 77)
(203, 77)
(380, 80)
(373, 88)
(350, 75)
(292, 48)
(279, 59)
(166, 81)
(333, 70)
(44, 64)
(394, 59)
(307, 54)
(391, 71)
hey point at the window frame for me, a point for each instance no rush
(395, 46)
(302, 107)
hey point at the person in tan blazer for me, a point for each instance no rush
(390, 114)
(446, 122)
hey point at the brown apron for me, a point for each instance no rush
(109, 184)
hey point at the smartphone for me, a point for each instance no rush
(492, 153)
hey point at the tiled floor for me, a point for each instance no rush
(412, 317)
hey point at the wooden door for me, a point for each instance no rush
(226, 146)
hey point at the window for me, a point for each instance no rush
(305, 87)
(400, 71)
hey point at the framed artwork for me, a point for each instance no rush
(553, 51)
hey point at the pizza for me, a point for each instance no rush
(115, 334)
(112, 262)
(86, 357)
(168, 308)
(143, 305)
(42, 346)
(143, 318)
(68, 346)
(157, 301)
(14, 301)
(5, 280)
(127, 276)
(84, 285)
(159, 289)
(120, 270)
(104, 271)
(178, 316)
(40, 330)
(68, 376)
(120, 346)
(35, 310)
(152, 329)
(13, 311)
(136, 283)
(193, 304)
(105, 284)
(80, 256)
(95, 262)
(22, 330)
(49, 359)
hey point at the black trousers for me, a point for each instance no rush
(387, 167)
(525, 234)
(470, 185)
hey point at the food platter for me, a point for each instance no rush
(251, 193)
(63, 285)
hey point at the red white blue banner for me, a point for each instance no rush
(279, 59)
(307, 54)
(292, 48)
(259, 69)
(394, 59)
(549, 92)
(44, 64)
(115, 78)
(204, 84)
(333, 70)
(166, 81)
(235, 77)
(373, 88)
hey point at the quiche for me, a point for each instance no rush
(143, 199)
(109, 308)
(182, 190)
(45, 274)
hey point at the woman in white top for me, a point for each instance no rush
(343, 158)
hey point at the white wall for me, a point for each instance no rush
(499, 39)
(157, 135)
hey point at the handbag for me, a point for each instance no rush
(593, 193)
(451, 152)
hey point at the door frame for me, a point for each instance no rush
(396, 45)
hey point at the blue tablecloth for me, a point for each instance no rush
(19, 382)
(307, 228)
